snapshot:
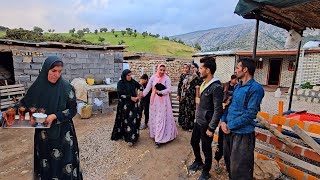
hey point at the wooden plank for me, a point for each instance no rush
(11, 86)
(12, 90)
(290, 159)
(275, 132)
(13, 93)
(288, 170)
(307, 139)
(299, 150)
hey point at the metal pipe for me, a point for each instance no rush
(254, 54)
(294, 75)
(301, 67)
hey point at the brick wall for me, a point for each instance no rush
(309, 68)
(174, 68)
(77, 63)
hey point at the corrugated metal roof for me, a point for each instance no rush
(61, 45)
(276, 52)
(215, 53)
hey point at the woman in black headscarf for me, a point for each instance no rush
(127, 121)
(56, 151)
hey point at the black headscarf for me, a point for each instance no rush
(195, 65)
(126, 87)
(44, 94)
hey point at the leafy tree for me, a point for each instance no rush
(157, 36)
(145, 34)
(123, 33)
(37, 29)
(101, 39)
(197, 46)
(135, 31)
(121, 42)
(53, 30)
(80, 33)
(112, 30)
(86, 30)
(2, 28)
(130, 32)
(96, 31)
(103, 29)
(49, 30)
(73, 30)
(166, 38)
(116, 35)
(135, 35)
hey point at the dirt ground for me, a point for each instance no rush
(102, 158)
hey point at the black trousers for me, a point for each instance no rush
(146, 112)
(219, 152)
(199, 133)
(238, 151)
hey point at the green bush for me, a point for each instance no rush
(306, 85)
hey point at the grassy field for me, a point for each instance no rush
(141, 44)
(2, 33)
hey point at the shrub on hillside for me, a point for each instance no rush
(24, 35)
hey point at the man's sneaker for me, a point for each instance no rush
(195, 166)
(205, 175)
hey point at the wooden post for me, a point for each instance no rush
(306, 138)
(275, 132)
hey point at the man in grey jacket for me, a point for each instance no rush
(207, 117)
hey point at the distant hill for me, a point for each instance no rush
(240, 37)
(148, 44)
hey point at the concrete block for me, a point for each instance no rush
(18, 72)
(39, 59)
(88, 65)
(76, 66)
(48, 53)
(24, 78)
(99, 65)
(294, 98)
(69, 60)
(67, 76)
(31, 71)
(309, 99)
(66, 55)
(36, 66)
(302, 98)
(17, 58)
(80, 60)
(82, 55)
(316, 100)
(307, 92)
(102, 56)
(73, 55)
(73, 76)
(93, 60)
(316, 88)
(94, 71)
(22, 65)
(85, 71)
(300, 92)
(72, 71)
(33, 78)
(103, 71)
(94, 55)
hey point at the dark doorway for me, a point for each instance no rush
(6, 68)
(274, 71)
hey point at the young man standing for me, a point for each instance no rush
(208, 116)
(145, 101)
(238, 124)
(228, 89)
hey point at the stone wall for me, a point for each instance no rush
(174, 68)
(77, 63)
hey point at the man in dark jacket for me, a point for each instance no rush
(208, 116)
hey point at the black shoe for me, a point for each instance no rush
(205, 175)
(195, 166)
(157, 144)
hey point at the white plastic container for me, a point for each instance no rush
(277, 93)
(79, 106)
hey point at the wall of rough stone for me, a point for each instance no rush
(174, 68)
(77, 63)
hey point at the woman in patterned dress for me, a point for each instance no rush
(56, 151)
(186, 96)
(128, 118)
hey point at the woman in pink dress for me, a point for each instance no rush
(161, 122)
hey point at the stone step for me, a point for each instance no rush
(175, 114)
(175, 102)
(175, 110)
(175, 106)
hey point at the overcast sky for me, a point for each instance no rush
(165, 17)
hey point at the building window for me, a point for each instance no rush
(259, 64)
(291, 65)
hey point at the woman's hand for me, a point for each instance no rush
(50, 119)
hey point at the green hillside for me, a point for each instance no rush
(141, 44)
(2, 33)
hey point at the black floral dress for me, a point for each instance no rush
(187, 105)
(128, 115)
